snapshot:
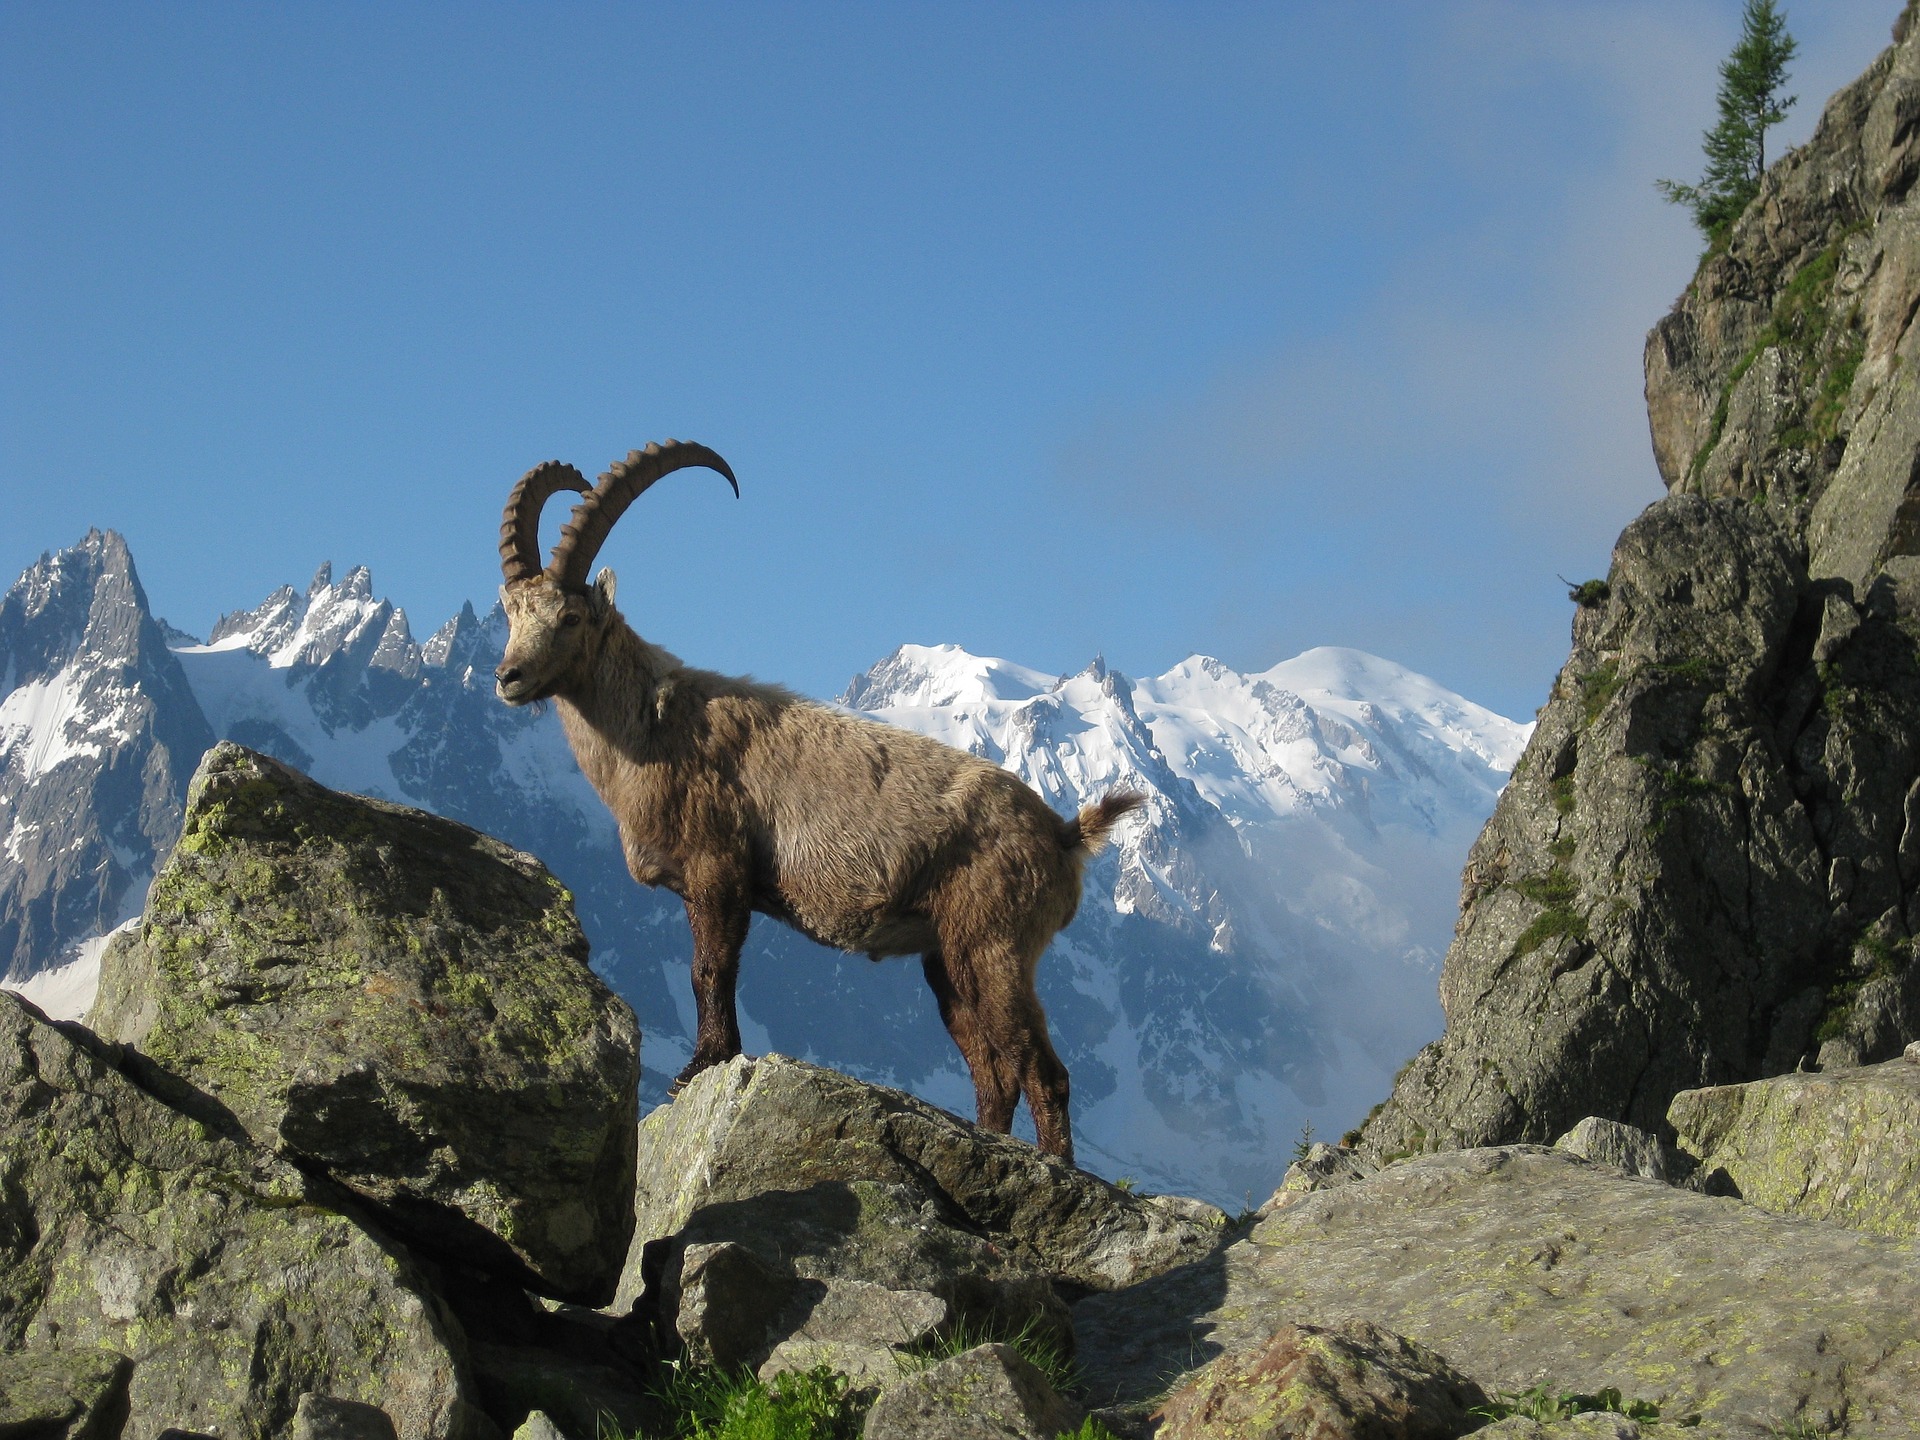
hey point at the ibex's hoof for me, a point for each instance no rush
(685, 1077)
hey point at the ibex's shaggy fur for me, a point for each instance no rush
(741, 797)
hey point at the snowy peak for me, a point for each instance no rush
(927, 676)
(294, 631)
(98, 731)
(1331, 729)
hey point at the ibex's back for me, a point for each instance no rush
(743, 797)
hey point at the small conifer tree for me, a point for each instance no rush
(1751, 79)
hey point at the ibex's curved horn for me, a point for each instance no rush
(593, 517)
(520, 526)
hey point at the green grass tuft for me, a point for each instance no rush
(1597, 687)
(701, 1404)
(1544, 1404)
(1030, 1341)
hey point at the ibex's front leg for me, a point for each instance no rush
(719, 914)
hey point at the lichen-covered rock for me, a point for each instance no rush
(127, 1227)
(729, 1303)
(1607, 1425)
(828, 1178)
(1525, 1266)
(859, 1330)
(400, 1002)
(1608, 1142)
(987, 1393)
(735, 1311)
(323, 1417)
(56, 1394)
(1841, 1146)
(1353, 1382)
(1321, 1168)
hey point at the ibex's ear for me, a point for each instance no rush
(603, 584)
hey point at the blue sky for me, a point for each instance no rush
(1043, 329)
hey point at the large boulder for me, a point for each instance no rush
(1841, 1146)
(64, 1395)
(826, 1196)
(1526, 1266)
(987, 1393)
(399, 1002)
(160, 1275)
(1355, 1382)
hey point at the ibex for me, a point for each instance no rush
(743, 797)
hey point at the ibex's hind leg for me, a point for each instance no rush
(996, 1085)
(1018, 1026)
(719, 918)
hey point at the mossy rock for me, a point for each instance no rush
(1354, 1382)
(1841, 1146)
(129, 1230)
(400, 1002)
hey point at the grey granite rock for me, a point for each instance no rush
(827, 1179)
(1355, 1381)
(1841, 1146)
(1322, 1168)
(127, 1227)
(1526, 1266)
(987, 1393)
(400, 1002)
(1608, 1142)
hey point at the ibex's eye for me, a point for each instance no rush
(570, 620)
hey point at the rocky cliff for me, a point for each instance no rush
(1705, 867)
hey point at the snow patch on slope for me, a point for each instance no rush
(66, 992)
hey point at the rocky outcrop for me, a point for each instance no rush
(1608, 1142)
(1706, 868)
(805, 1194)
(165, 1276)
(1354, 1382)
(396, 1002)
(1843, 1147)
(1783, 373)
(1524, 1266)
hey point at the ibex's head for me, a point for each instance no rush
(555, 618)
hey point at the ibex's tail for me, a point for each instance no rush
(1087, 832)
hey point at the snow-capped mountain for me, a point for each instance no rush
(98, 735)
(1259, 954)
